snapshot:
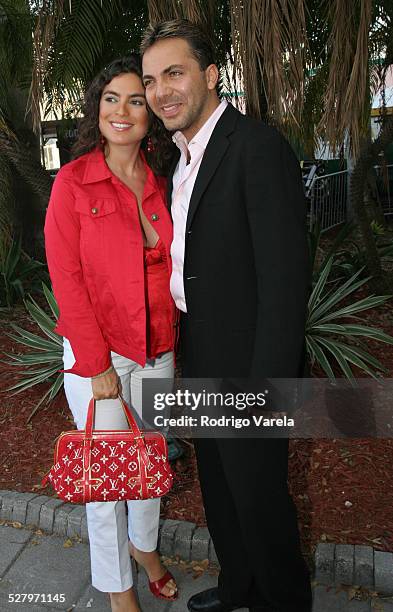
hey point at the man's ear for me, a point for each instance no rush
(211, 76)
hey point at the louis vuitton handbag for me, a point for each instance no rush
(110, 465)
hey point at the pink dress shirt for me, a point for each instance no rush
(183, 184)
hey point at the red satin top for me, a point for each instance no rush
(159, 309)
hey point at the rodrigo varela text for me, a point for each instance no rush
(236, 422)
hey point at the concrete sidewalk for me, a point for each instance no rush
(43, 565)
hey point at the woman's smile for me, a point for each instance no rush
(121, 126)
(123, 117)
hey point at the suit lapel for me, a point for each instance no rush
(212, 157)
(215, 151)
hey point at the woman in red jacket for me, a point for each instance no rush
(108, 234)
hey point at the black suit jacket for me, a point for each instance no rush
(246, 266)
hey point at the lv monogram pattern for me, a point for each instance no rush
(116, 470)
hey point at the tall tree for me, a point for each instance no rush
(21, 206)
(305, 65)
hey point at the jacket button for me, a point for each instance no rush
(94, 210)
(155, 217)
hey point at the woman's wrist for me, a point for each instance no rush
(110, 369)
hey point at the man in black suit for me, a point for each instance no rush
(240, 277)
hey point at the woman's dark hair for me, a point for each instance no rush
(161, 146)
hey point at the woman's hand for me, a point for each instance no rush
(106, 386)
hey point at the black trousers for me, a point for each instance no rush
(252, 520)
(250, 514)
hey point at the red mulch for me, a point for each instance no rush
(343, 489)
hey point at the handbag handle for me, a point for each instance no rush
(90, 418)
(88, 437)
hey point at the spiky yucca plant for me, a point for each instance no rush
(43, 362)
(17, 269)
(330, 324)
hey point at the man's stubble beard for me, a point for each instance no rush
(192, 117)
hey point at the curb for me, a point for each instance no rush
(54, 516)
(347, 564)
(335, 564)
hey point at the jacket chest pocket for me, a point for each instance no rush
(98, 223)
(95, 208)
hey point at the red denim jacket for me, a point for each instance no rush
(94, 250)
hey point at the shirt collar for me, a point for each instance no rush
(97, 170)
(203, 135)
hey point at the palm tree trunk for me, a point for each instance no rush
(372, 201)
(367, 158)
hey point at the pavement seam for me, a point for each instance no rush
(18, 554)
(356, 564)
(81, 593)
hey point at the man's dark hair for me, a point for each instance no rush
(199, 42)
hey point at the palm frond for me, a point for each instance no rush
(68, 41)
(347, 98)
(270, 44)
(162, 10)
(195, 11)
(43, 34)
(15, 48)
(27, 165)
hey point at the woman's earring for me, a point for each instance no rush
(102, 140)
(150, 146)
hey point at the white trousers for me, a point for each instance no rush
(108, 527)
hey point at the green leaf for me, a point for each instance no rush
(338, 355)
(344, 232)
(354, 330)
(361, 358)
(38, 404)
(37, 311)
(28, 370)
(36, 341)
(30, 268)
(77, 48)
(337, 296)
(43, 321)
(50, 298)
(320, 285)
(320, 356)
(27, 383)
(57, 385)
(359, 306)
(13, 257)
(18, 287)
(310, 349)
(37, 358)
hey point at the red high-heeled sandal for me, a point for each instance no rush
(156, 586)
